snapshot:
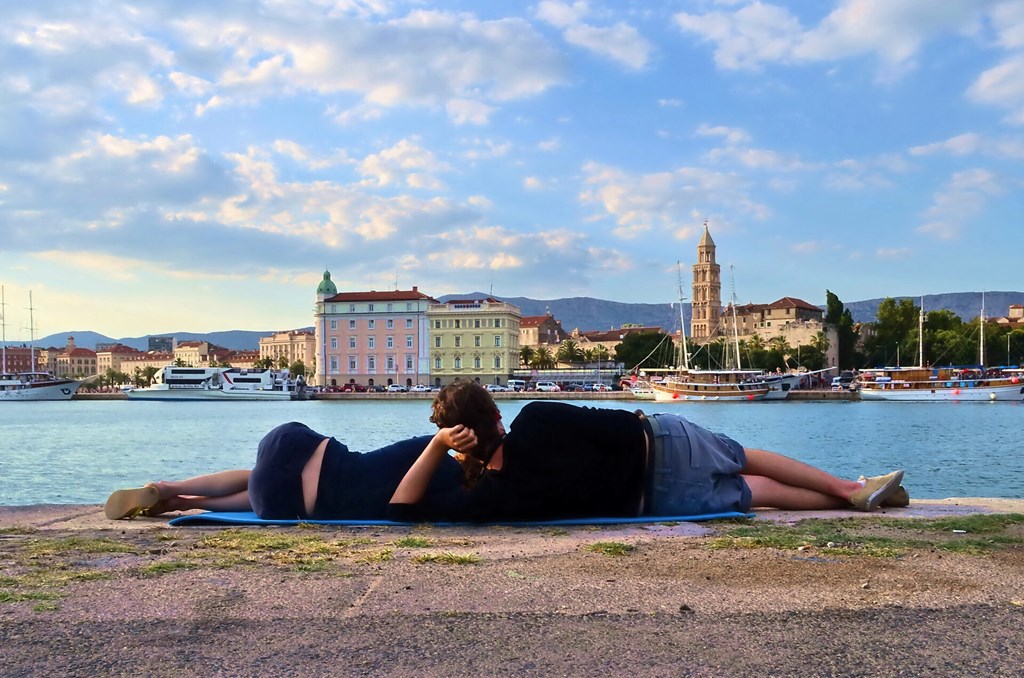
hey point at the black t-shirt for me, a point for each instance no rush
(558, 461)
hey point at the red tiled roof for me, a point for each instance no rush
(393, 295)
(792, 302)
(536, 320)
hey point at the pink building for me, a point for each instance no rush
(370, 338)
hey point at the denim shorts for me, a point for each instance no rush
(694, 471)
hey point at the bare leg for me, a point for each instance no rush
(230, 502)
(783, 482)
(220, 484)
(221, 491)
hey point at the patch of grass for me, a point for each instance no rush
(42, 548)
(413, 543)
(447, 558)
(878, 537)
(46, 607)
(19, 596)
(381, 556)
(610, 548)
(166, 567)
(17, 529)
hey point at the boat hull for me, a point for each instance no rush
(62, 389)
(1003, 392)
(710, 393)
(155, 393)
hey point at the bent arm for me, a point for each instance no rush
(414, 483)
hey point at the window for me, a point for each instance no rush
(369, 307)
(437, 363)
(390, 307)
(334, 364)
(352, 365)
(476, 340)
(476, 323)
(458, 323)
(390, 341)
(458, 342)
(334, 342)
(334, 324)
(371, 342)
(371, 363)
(371, 324)
(351, 324)
(437, 324)
(391, 363)
(391, 322)
(351, 342)
(497, 362)
(476, 362)
(497, 322)
(408, 363)
(408, 323)
(437, 342)
(351, 308)
(497, 341)
(408, 306)
(458, 362)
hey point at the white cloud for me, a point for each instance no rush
(959, 202)
(662, 200)
(1002, 86)
(548, 145)
(670, 103)
(404, 163)
(463, 111)
(732, 135)
(620, 42)
(533, 184)
(759, 33)
(307, 158)
(972, 143)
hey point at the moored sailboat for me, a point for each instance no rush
(31, 384)
(975, 383)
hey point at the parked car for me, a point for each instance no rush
(496, 388)
(548, 386)
(353, 387)
(396, 388)
(517, 385)
(594, 387)
(419, 388)
(376, 388)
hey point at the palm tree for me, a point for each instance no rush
(569, 352)
(149, 373)
(526, 354)
(820, 342)
(543, 360)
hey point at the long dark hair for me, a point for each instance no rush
(468, 403)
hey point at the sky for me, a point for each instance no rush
(196, 166)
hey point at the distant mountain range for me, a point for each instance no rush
(584, 313)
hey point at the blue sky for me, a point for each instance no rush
(195, 166)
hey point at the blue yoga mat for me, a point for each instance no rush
(250, 518)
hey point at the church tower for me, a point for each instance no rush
(707, 292)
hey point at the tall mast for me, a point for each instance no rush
(735, 327)
(682, 323)
(31, 336)
(3, 326)
(920, 335)
(981, 333)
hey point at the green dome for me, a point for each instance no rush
(327, 288)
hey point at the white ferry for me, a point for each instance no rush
(220, 383)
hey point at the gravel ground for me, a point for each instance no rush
(83, 596)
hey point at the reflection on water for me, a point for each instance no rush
(78, 451)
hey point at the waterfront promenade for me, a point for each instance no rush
(933, 589)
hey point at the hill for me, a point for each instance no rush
(585, 313)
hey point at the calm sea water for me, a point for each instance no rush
(79, 451)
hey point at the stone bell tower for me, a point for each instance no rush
(707, 292)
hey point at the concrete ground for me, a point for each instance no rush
(80, 595)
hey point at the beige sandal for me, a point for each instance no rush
(130, 503)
